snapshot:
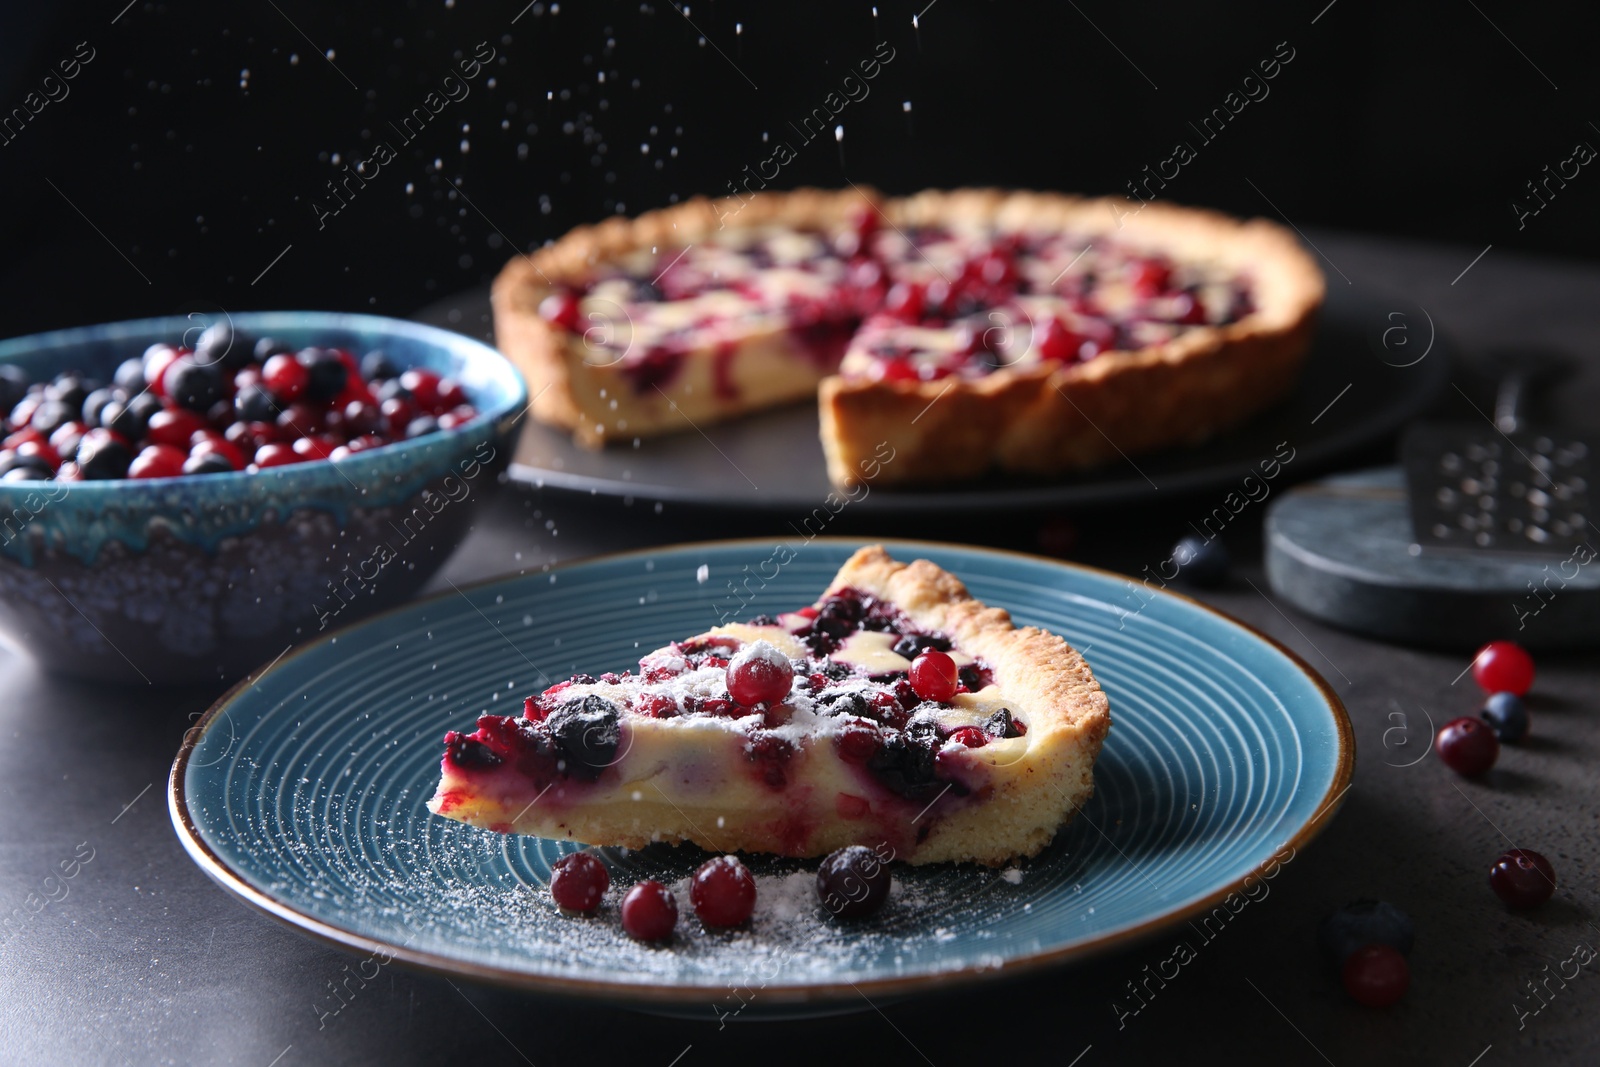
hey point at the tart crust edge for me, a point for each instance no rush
(1067, 713)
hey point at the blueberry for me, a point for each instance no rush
(24, 468)
(207, 463)
(392, 390)
(469, 752)
(69, 389)
(853, 882)
(220, 344)
(422, 424)
(1506, 716)
(255, 403)
(13, 385)
(843, 702)
(376, 366)
(1201, 562)
(587, 732)
(328, 374)
(131, 419)
(103, 459)
(838, 616)
(909, 645)
(48, 416)
(1001, 725)
(907, 764)
(268, 347)
(1364, 922)
(194, 386)
(130, 376)
(95, 403)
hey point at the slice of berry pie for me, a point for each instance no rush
(896, 711)
(969, 330)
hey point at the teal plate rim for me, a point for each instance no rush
(235, 882)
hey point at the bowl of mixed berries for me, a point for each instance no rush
(180, 504)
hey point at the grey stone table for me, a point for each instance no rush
(140, 959)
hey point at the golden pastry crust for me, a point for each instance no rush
(1038, 790)
(552, 359)
(1052, 419)
(1034, 420)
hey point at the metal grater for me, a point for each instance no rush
(1504, 487)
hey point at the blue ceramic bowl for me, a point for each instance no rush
(201, 578)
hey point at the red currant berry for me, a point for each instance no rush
(158, 461)
(1467, 746)
(173, 426)
(286, 377)
(1149, 277)
(1053, 341)
(905, 301)
(759, 674)
(315, 447)
(423, 385)
(970, 736)
(561, 309)
(933, 675)
(40, 450)
(221, 447)
(276, 455)
(1522, 878)
(1503, 667)
(1376, 975)
(649, 911)
(723, 892)
(577, 882)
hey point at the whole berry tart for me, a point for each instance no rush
(896, 711)
(971, 331)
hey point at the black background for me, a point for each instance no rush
(168, 180)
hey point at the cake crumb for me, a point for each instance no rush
(1012, 875)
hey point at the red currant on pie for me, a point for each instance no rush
(759, 674)
(934, 676)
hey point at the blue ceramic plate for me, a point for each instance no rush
(302, 790)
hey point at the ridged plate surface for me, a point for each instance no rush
(303, 790)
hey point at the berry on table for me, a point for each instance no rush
(1376, 975)
(853, 882)
(1522, 878)
(933, 675)
(1201, 562)
(1506, 717)
(1364, 922)
(649, 911)
(759, 674)
(723, 892)
(1467, 746)
(577, 882)
(1503, 667)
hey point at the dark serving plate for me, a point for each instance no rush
(1375, 364)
